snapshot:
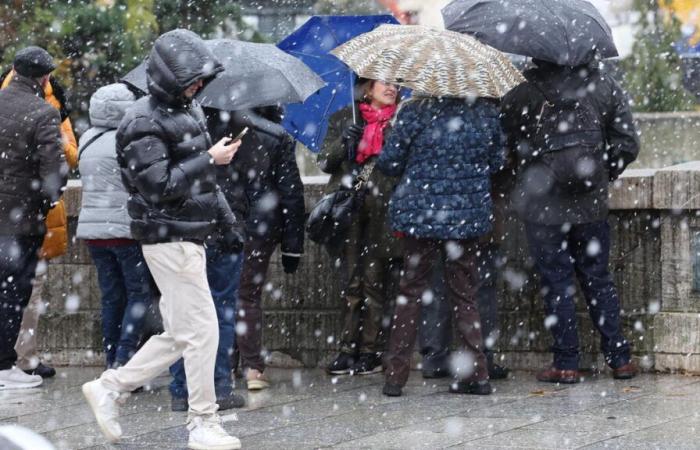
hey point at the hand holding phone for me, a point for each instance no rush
(223, 151)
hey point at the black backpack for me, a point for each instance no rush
(570, 141)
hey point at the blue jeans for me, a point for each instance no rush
(223, 274)
(124, 282)
(561, 254)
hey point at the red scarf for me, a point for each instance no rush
(373, 136)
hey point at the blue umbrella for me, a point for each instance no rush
(312, 42)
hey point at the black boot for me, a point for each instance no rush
(497, 372)
(391, 390)
(367, 364)
(42, 370)
(342, 365)
(179, 404)
(471, 387)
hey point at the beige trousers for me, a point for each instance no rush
(190, 324)
(27, 357)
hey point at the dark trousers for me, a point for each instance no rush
(366, 299)
(223, 275)
(258, 252)
(561, 254)
(365, 279)
(435, 334)
(124, 281)
(459, 258)
(18, 260)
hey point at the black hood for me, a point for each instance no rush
(562, 82)
(178, 59)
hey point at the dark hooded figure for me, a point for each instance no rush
(570, 131)
(168, 165)
(268, 176)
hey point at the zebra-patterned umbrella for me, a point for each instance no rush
(431, 62)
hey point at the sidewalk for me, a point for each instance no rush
(307, 409)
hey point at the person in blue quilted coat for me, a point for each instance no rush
(444, 150)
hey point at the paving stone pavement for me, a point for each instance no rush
(307, 409)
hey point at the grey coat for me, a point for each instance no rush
(103, 213)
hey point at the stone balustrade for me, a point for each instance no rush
(655, 258)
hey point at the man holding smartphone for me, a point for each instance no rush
(168, 166)
(224, 266)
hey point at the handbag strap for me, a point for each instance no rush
(364, 175)
(92, 140)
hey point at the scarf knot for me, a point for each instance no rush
(373, 136)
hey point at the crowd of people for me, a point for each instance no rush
(183, 207)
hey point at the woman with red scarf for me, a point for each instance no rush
(371, 255)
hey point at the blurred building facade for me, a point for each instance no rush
(276, 19)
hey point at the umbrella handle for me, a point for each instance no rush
(352, 96)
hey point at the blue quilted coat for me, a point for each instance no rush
(445, 151)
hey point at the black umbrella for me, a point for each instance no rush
(564, 32)
(255, 75)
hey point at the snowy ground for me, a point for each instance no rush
(307, 409)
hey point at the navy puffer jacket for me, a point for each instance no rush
(445, 151)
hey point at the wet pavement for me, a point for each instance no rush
(307, 409)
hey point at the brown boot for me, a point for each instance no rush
(554, 375)
(626, 372)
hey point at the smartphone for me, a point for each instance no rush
(240, 135)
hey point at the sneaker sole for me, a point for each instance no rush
(195, 446)
(10, 385)
(257, 385)
(378, 369)
(339, 372)
(93, 406)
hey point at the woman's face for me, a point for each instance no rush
(383, 94)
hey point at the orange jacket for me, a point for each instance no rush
(56, 238)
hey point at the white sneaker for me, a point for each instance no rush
(207, 434)
(16, 379)
(105, 408)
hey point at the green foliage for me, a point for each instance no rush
(653, 73)
(98, 41)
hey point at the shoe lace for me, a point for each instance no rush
(212, 425)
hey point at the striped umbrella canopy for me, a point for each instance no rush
(431, 62)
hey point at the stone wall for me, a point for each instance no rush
(656, 240)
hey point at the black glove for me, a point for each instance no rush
(290, 263)
(233, 240)
(351, 139)
(617, 166)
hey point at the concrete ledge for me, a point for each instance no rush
(678, 187)
(633, 190)
(677, 333)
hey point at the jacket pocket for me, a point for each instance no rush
(193, 257)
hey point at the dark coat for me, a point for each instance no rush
(265, 175)
(538, 197)
(371, 222)
(162, 145)
(445, 151)
(33, 169)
